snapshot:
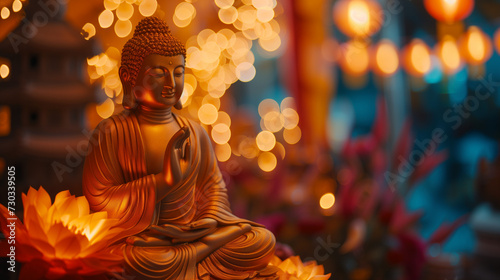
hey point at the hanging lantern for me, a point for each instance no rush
(385, 58)
(449, 10)
(358, 18)
(497, 40)
(449, 54)
(476, 46)
(417, 58)
(354, 59)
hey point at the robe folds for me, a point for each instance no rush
(115, 179)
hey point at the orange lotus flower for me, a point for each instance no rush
(62, 240)
(294, 269)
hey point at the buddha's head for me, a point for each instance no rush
(152, 66)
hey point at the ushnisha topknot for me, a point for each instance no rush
(151, 36)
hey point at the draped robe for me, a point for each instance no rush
(115, 180)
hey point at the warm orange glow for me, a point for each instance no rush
(125, 11)
(221, 133)
(266, 106)
(449, 54)
(106, 109)
(88, 31)
(106, 18)
(449, 10)
(245, 71)
(355, 58)
(223, 152)
(476, 46)
(4, 71)
(5, 13)
(273, 121)
(207, 114)
(386, 58)
(4, 120)
(294, 268)
(291, 118)
(267, 161)
(248, 148)
(223, 4)
(417, 58)
(17, 6)
(65, 233)
(123, 28)
(148, 7)
(357, 17)
(497, 40)
(265, 140)
(292, 136)
(327, 200)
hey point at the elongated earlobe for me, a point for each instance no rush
(128, 97)
(178, 105)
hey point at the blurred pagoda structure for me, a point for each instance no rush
(43, 101)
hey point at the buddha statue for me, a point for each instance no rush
(156, 173)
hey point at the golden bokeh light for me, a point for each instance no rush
(248, 148)
(148, 7)
(17, 5)
(327, 201)
(4, 71)
(266, 106)
(223, 152)
(476, 46)
(106, 109)
(449, 54)
(291, 118)
(207, 114)
(265, 14)
(265, 140)
(358, 18)
(228, 15)
(417, 58)
(281, 149)
(267, 161)
(88, 31)
(245, 71)
(386, 58)
(5, 13)
(287, 102)
(224, 118)
(292, 136)
(355, 58)
(223, 4)
(111, 4)
(221, 133)
(106, 18)
(123, 28)
(274, 121)
(124, 11)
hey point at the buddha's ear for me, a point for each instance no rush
(128, 97)
(178, 105)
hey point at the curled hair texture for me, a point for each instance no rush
(151, 36)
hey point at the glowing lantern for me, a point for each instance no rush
(357, 17)
(62, 240)
(327, 200)
(449, 54)
(476, 46)
(449, 10)
(417, 58)
(355, 59)
(386, 58)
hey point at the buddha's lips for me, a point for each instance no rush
(167, 93)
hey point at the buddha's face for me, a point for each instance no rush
(160, 81)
